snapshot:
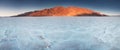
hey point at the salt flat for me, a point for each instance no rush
(60, 33)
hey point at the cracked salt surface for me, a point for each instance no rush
(75, 33)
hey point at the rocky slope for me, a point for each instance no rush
(63, 11)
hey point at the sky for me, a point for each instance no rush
(14, 7)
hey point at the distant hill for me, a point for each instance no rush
(62, 11)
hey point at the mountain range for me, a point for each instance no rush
(62, 11)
